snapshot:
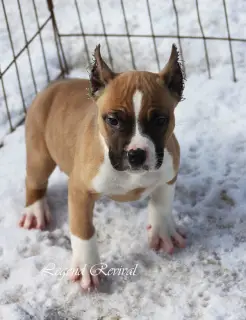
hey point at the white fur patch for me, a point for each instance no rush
(137, 101)
(160, 210)
(162, 230)
(85, 251)
(139, 140)
(38, 209)
(85, 256)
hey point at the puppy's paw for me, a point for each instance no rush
(84, 263)
(165, 236)
(36, 216)
(82, 274)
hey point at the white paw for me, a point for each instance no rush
(36, 216)
(164, 235)
(85, 259)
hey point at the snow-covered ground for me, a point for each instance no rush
(204, 281)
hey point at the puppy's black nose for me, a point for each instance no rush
(136, 157)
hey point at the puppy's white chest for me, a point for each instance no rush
(109, 181)
(119, 183)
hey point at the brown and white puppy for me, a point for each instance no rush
(119, 142)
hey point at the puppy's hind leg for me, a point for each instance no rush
(39, 167)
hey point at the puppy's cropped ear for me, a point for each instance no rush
(173, 74)
(100, 73)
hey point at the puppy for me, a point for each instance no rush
(118, 141)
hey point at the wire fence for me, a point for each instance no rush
(59, 39)
(16, 55)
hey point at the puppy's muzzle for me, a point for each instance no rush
(136, 158)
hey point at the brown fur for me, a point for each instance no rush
(32, 195)
(80, 204)
(173, 148)
(132, 195)
(61, 122)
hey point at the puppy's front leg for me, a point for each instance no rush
(83, 235)
(162, 230)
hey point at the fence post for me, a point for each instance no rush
(59, 47)
(229, 40)
(6, 104)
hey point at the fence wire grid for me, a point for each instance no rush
(59, 38)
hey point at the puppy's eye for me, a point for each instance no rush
(112, 121)
(161, 121)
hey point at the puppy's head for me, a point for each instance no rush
(136, 111)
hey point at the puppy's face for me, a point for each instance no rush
(136, 114)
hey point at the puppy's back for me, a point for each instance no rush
(55, 117)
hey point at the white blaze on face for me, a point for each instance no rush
(139, 140)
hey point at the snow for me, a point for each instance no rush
(204, 281)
